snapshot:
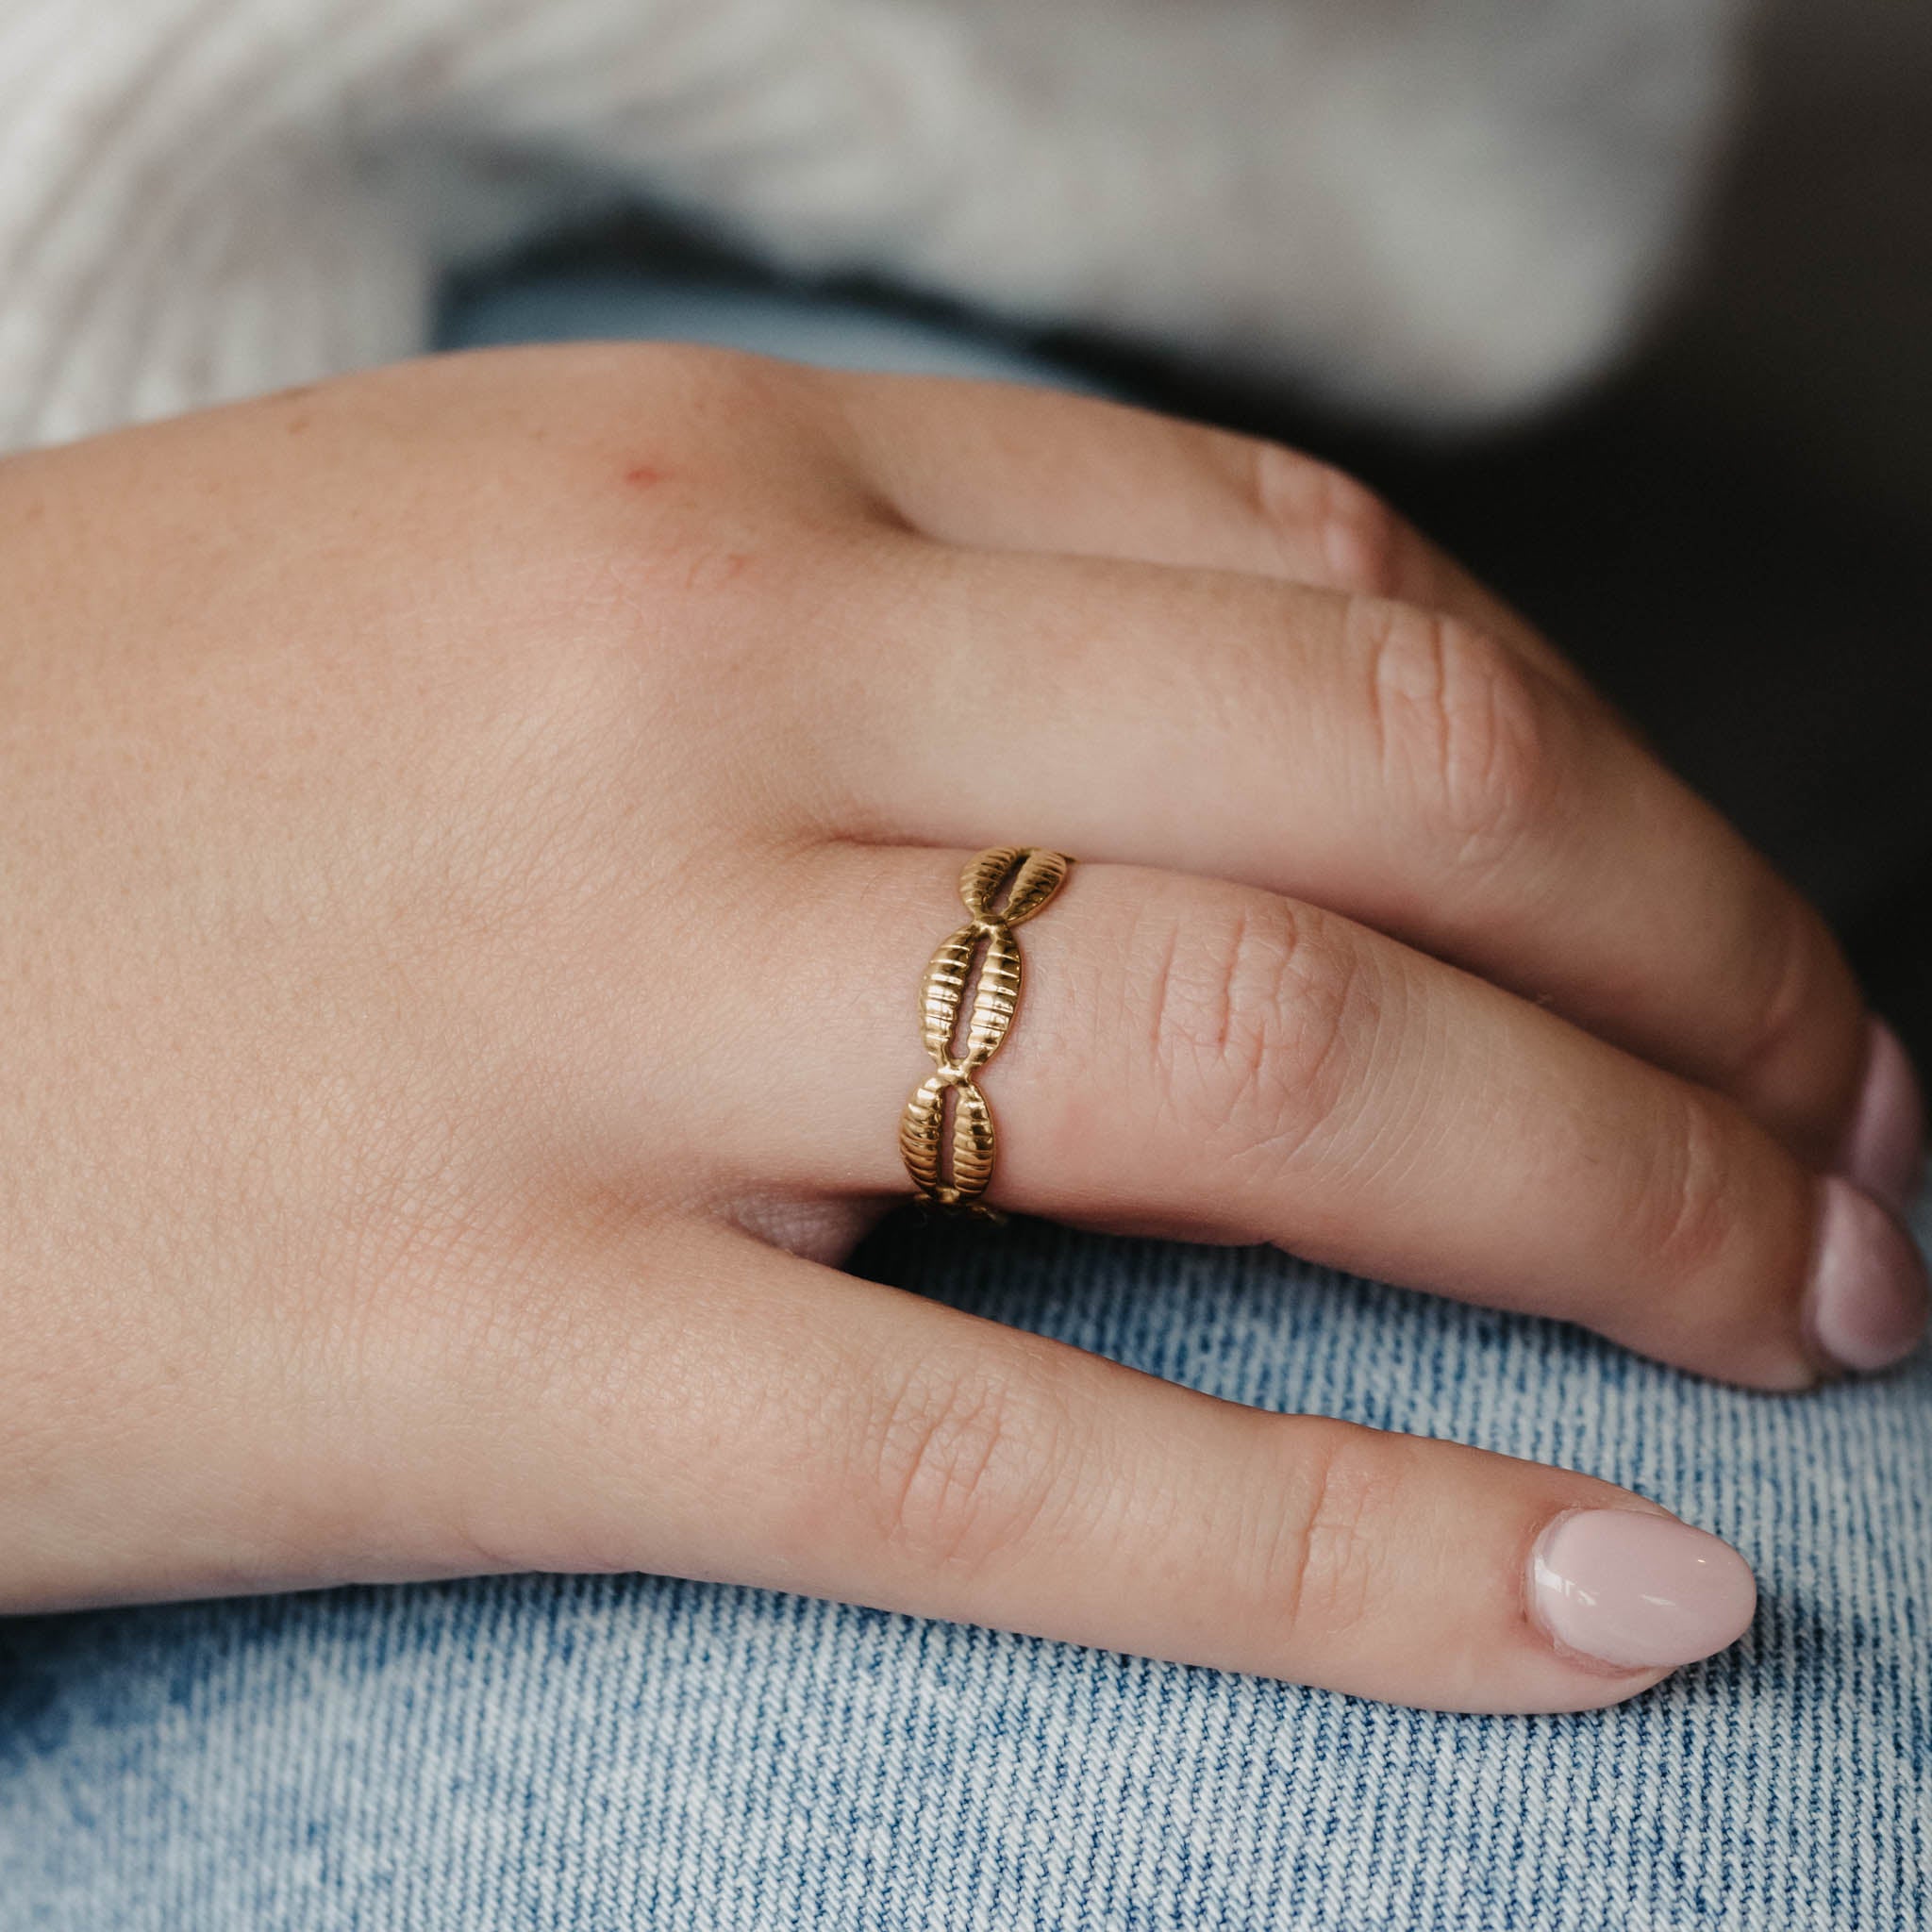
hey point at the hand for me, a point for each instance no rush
(470, 837)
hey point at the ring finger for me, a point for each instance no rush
(1200, 1058)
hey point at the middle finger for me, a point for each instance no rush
(1391, 763)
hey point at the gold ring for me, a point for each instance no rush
(946, 1134)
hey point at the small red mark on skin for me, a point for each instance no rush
(642, 476)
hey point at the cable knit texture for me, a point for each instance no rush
(1435, 207)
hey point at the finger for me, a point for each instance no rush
(1396, 766)
(995, 466)
(712, 1408)
(1202, 1059)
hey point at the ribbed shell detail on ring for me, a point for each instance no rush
(970, 1146)
(994, 996)
(1038, 879)
(948, 1144)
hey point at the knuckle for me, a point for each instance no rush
(1365, 545)
(1789, 957)
(1323, 1563)
(1684, 1216)
(963, 1460)
(1463, 730)
(1253, 1021)
(1368, 547)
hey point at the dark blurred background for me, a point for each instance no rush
(1733, 533)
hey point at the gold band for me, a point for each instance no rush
(949, 1147)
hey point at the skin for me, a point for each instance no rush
(472, 836)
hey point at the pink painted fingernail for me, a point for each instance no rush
(1865, 1303)
(1636, 1590)
(1884, 1152)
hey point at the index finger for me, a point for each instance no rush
(997, 466)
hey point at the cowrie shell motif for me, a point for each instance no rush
(1040, 876)
(995, 997)
(946, 1133)
(953, 1167)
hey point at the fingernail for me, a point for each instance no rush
(1884, 1150)
(1865, 1303)
(1636, 1591)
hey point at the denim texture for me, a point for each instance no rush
(631, 1752)
(589, 299)
(608, 1754)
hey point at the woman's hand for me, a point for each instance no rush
(470, 838)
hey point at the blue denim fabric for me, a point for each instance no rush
(636, 1753)
(589, 301)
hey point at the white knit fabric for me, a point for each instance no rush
(1435, 207)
